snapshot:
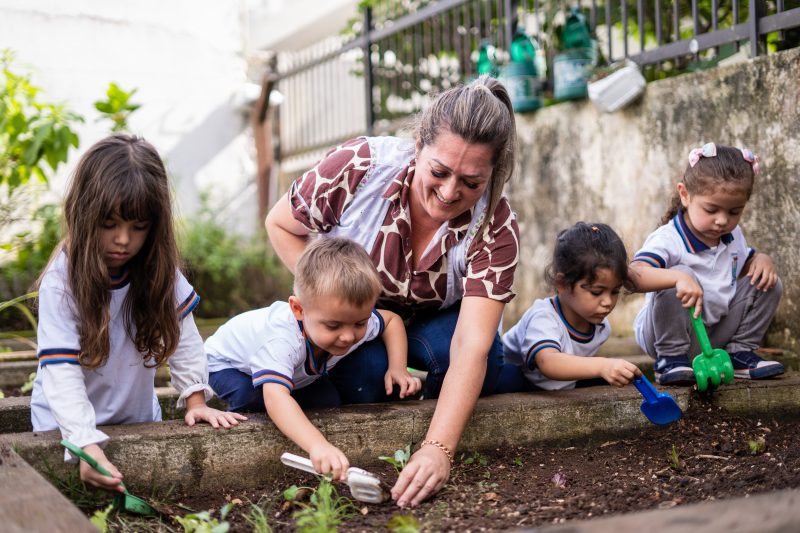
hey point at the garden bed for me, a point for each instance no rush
(708, 455)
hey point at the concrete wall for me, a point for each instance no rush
(580, 164)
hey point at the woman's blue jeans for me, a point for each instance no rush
(359, 376)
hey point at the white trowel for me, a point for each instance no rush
(364, 486)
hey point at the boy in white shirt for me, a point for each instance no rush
(278, 357)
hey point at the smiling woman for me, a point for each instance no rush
(432, 215)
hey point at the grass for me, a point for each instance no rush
(325, 510)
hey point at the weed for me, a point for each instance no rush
(757, 446)
(257, 519)
(518, 461)
(483, 486)
(325, 511)
(674, 458)
(476, 457)
(399, 459)
(100, 518)
(203, 522)
(403, 523)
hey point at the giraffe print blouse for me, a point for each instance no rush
(320, 197)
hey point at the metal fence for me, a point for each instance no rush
(379, 72)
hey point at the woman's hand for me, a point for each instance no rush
(409, 385)
(95, 478)
(215, 417)
(762, 273)
(426, 472)
(690, 293)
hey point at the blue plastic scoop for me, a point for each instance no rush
(659, 407)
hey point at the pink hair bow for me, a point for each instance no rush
(707, 150)
(751, 158)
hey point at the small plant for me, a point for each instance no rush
(403, 523)
(325, 511)
(203, 522)
(476, 457)
(100, 518)
(674, 458)
(518, 461)
(257, 519)
(22, 308)
(28, 385)
(400, 458)
(757, 446)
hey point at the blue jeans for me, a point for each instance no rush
(236, 388)
(359, 376)
(511, 379)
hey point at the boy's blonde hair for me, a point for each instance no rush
(336, 267)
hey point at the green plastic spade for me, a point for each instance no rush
(713, 364)
(126, 500)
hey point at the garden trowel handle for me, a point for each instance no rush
(700, 330)
(296, 461)
(649, 393)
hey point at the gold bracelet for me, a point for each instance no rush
(439, 445)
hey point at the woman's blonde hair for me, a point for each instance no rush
(122, 175)
(479, 112)
(339, 268)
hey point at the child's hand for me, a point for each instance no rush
(327, 458)
(762, 272)
(95, 478)
(619, 372)
(409, 385)
(215, 417)
(690, 293)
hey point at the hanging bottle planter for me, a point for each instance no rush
(573, 66)
(520, 75)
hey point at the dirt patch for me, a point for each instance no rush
(13, 390)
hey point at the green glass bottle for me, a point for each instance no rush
(520, 75)
(486, 59)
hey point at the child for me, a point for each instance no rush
(699, 257)
(279, 356)
(113, 307)
(553, 345)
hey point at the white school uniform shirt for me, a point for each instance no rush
(716, 268)
(122, 391)
(269, 345)
(544, 326)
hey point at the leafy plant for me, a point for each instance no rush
(100, 518)
(477, 457)
(674, 458)
(257, 519)
(399, 459)
(403, 523)
(757, 446)
(325, 511)
(33, 133)
(203, 522)
(17, 304)
(518, 461)
(117, 107)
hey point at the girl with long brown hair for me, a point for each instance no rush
(113, 307)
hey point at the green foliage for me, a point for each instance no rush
(28, 385)
(477, 457)
(100, 518)
(757, 445)
(231, 274)
(16, 303)
(203, 522)
(33, 133)
(117, 107)
(518, 461)
(325, 511)
(403, 523)
(257, 519)
(399, 459)
(674, 458)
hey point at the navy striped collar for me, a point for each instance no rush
(578, 336)
(693, 244)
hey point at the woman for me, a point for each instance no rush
(433, 217)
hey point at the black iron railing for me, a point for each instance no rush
(372, 78)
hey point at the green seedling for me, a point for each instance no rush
(674, 458)
(257, 519)
(518, 461)
(203, 522)
(476, 457)
(100, 518)
(400, 458)
(325, 510)
(403, 523)
(757, 446)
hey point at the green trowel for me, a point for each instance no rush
(713, 364)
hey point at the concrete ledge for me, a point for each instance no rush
(15, 372)
(30, 503)
(772, 512)
(159, 455)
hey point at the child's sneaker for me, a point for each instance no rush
(747, 365)
(674, 370)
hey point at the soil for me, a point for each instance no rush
(13, 390)
(707, 455)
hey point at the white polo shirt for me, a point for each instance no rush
(544, 326)
(716, 268)
(269, 345)
(122, 391)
